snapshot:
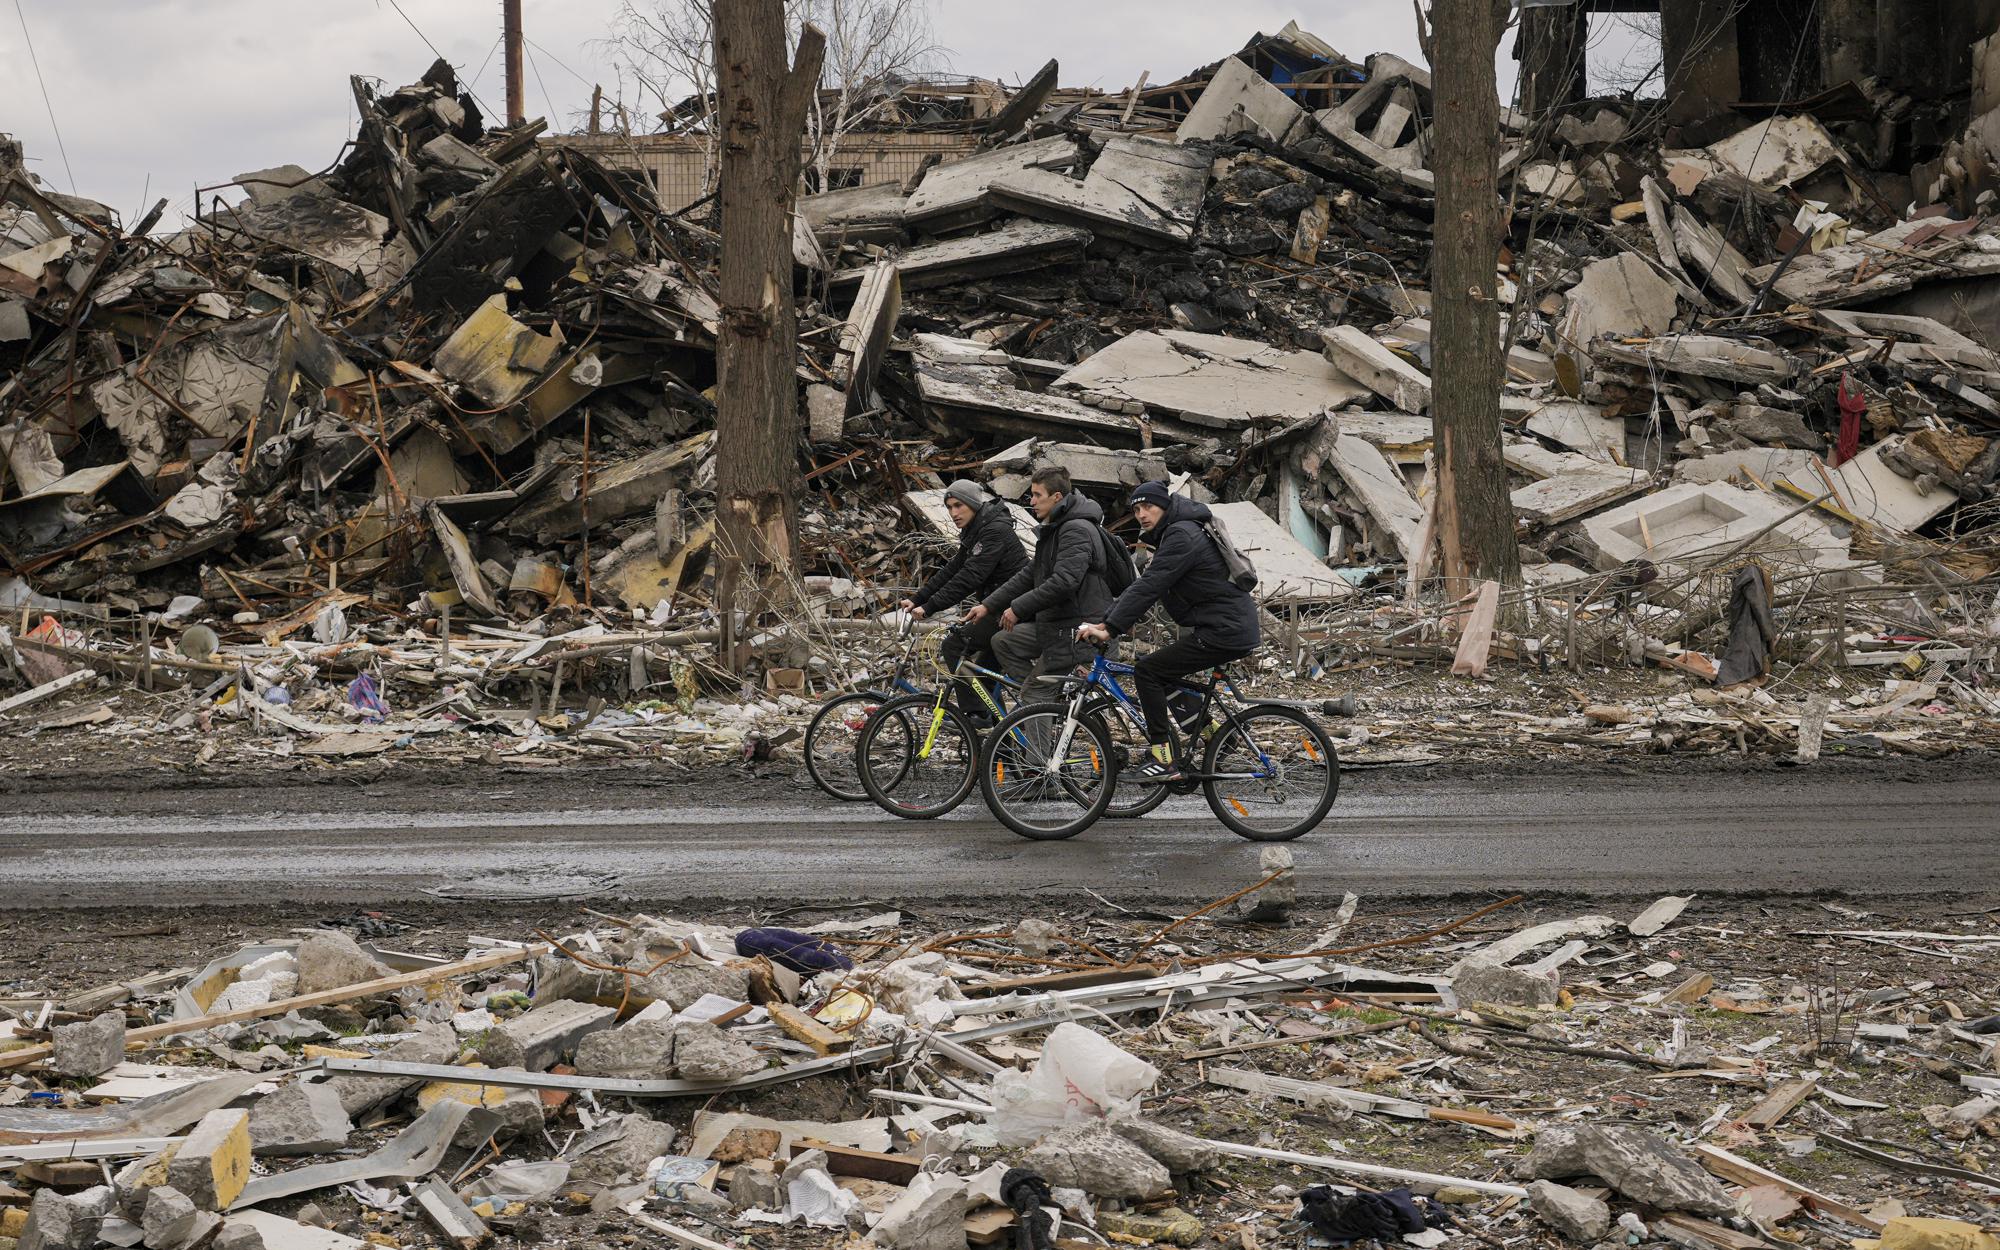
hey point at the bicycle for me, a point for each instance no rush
(917, 756)
(1260, 755)
(836, 727)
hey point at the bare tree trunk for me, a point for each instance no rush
(1475, 515)
(762, 114)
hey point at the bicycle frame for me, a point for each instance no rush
(1103, 676)
(983, 682)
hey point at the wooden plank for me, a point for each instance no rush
(47, 690)
(323, 998)
(1741, 1171)
(1378, 1026)
(1690, 991)
(1780, 1101)
(799, 1025)
(1086, 979)
(1693, 1230)
(869, 1164)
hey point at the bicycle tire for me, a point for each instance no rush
(834, 716)
(1231, 800)
(954, 746)
(1129, 802)
(1011, 747)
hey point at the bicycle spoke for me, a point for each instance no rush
(1272, 774)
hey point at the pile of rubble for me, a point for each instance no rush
(428, 435)
(1219, 1077)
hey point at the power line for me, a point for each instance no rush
(36, 62)
(558, 60)
(486, 108)
(547, 101)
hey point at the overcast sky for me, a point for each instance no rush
(156, 97)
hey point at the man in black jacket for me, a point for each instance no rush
(1188, 578)
(1063, 586)
(989, 552)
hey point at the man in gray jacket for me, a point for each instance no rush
(1062, 587)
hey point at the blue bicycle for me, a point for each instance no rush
(1050, 770)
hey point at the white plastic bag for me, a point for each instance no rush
(1080, 1076)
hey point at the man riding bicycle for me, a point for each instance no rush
(989, 554)
(1188, 578)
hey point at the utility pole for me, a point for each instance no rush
(1475, 515)
(510, 34)
(761, 115)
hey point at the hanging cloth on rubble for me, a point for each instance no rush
(1747, 654)
(1853, 403)
(1384, 1217)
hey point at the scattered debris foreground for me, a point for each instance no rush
(421, 444)
(1716, 1076)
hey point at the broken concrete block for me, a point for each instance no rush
(1377, 368)
(643, 1140)
(1093, 1158)
(91, 1047)
(1177, 1151)
(236, 1235)
(1638, 1164)
(330, 960)
(65, 1221)
(1577, 1216)
(299, 1119)
(1142, 190)
(826, 413)
(755, 1186)
(1170, 1227)
(638, 1049)
(929, 1215)
(1211, 379)
(1379, 488)
(549, 1034)
(168, 1218)
(704, 1052)
(1275, 901)
(1778, 151)
(1620, 295)
(1772, 427)
(1506, 986)
(212, 1165)
(1240, 100)
(434, 1043)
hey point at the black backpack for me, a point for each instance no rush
(1119, 571)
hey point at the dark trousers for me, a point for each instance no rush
(974, 642)
(1154, 671)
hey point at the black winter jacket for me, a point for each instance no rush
(989, 552)
(1064, 584)
(1188, 578)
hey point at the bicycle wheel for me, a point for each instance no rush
(1275, 774)
(1036, 791)
(916, 759)
(831, 739)
(1128, 750)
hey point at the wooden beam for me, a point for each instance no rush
(299, 1002)
(1741, 1171)
(1780, 1102)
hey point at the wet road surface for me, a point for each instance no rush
(1391, 833)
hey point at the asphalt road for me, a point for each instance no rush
(1391, 833)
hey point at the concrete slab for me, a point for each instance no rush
(1141, 190)
(1566, 496)
(1212, 380)
(1770, 465)
(1880, 496)
(1086, 464)
(1379, 488)
(1778, 151)
(1012, 249)
(1582, 428)
(1620, 295)
(1705, 251)
(1287, 571)
(955, 194)
(1703, 355)
(864, 338)
(1354, 353)
(1239, 99)
(856, 214)
(1682, 522)
(1399, 436)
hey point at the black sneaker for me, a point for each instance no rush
(1157, 773)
